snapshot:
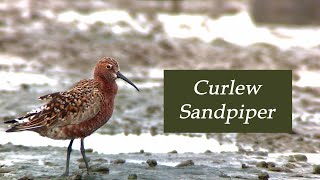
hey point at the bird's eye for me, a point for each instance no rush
(109, 66)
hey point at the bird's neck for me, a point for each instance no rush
(108, 87)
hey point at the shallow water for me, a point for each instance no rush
(122, 143)
(199, 26)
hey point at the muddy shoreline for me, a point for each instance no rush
(48, 163)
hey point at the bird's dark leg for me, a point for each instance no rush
(84, 155)
(68, 157)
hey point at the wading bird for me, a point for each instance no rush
(78, 112)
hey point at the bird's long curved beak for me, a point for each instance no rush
(121, 76)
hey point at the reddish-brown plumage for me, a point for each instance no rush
(78, 112)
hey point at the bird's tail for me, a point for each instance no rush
(13, 129)
(11, 121)
(21, 119)
(17, 128)
(19, 124)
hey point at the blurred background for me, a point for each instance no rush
(47, 46)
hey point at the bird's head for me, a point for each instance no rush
(108, 69)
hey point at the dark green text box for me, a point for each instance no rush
(228, 101)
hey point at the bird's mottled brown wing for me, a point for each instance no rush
(80, 103)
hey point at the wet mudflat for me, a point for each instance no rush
(47, 47)
(48, 162)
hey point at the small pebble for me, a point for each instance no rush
(5, 170)
(271, 164)
(25, 86)
(285, 169)
(141, 151)
(185, 163)
(101, 160)
(173, 152)
(82, 165)
(132, 176)
(316, 169)
(89, 150)
(316, 136)
(244, 166)
(100, 169)
(76, 177)
(119, 161)
(263, 176)
(276, 169)
(300, 139)
(298, 175)
(49, 164)
(297, 157)
(262, 164)
(207, 152)
(152, 162)
(290, 165)
(81, 159)
(27, 177)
